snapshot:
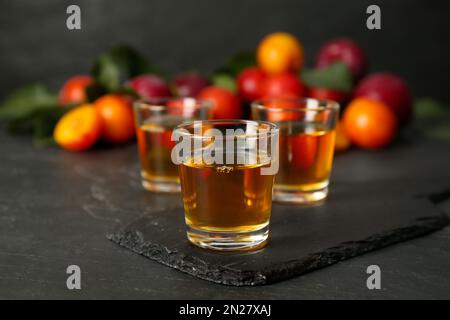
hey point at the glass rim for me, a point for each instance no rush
(158, 104)
(272, 128)
(322, 105)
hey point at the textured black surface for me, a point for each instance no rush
(302, 238)
(56, 207)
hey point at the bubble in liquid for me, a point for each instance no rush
(224, 169)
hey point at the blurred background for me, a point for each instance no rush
(202, 34)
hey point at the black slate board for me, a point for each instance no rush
(357, 218)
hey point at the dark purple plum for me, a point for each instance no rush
(149, 86)
(188, 84)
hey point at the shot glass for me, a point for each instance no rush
(155, 121)
(307, 136)
(227, 170)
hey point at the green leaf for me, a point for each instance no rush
(128, 92)
(441, 132)
(336, 76)
(44, 124)
(26, 100)
(429, 108)
(225, 81)
(237, 63)
(94, 91)
(119, 64)
(40, 123)
(107, 72)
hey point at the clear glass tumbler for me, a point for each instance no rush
(307, 137)
(155, 121)
(227, 169)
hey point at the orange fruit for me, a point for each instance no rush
(78, 129)
(280, 52)
(117, 118)
(74, 90)
(342, 141)
(369, 124)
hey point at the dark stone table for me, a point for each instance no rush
(56, 208)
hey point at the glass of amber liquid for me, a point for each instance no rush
(226, 179)
(307, 136)
(155, 121)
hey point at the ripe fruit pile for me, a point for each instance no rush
(109, 118)
(97, 107)
(378, 104)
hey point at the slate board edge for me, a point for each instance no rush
(134, 241)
